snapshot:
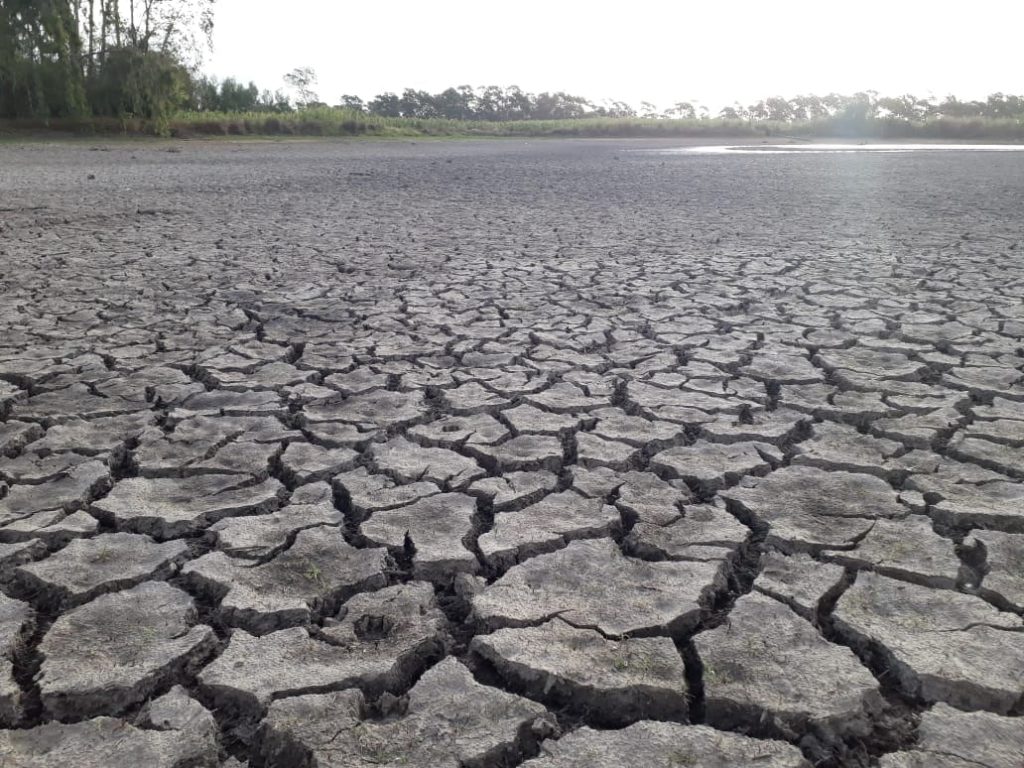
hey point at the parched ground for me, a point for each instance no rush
(554, 454)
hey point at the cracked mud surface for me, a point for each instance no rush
(496, 454)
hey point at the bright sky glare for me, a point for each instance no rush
(663, 52)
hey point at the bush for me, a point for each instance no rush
(134, 83)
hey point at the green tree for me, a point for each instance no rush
(40, 59)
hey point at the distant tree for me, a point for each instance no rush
(617, 109)
(273, 101)
(385, 104)
(778, 109)
(518, 104)
(415, 103)
(205, 95)
(682, 110)
(301, 80)
(353, 102)
(906, 107)
(234, 97)
(490, 103)
(455, 103)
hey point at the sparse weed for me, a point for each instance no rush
(313, 573)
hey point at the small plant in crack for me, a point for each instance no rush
(313, 573)
(374, 749)
(630, 661)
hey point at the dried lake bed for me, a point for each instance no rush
(495, 453)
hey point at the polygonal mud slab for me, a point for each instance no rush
(565, 398)
(665, 744)
(227, 403)
(74, 401)
(272, 376)
(259, 536)
(545, 526)
(1003, 431)
(680, 406)
(177, 711)
(769, 671)
(514, 490)
(782, 366)
(798, 580)
(307, 463)
(525, 419)
(377, 409)
(15, 435)
(524, 453)
(598, 483)
(704, 532)
(166, 508)
(937, 645)
(382, 641)
(949, 738)
(998, 505)
(366, 493)
(594, 451)
(32, 469)
(104, 742)
(17, 553)
(451, 721)
(86, 568)
(435, 527)
(770, 430)
(202, 444)
(615, 424)
(869, 362)
(839, 447)
(471, 398)
(616, 682)
(54, 528)
(68, 493)
(1001, 408)
(409, 463)
(809, 509)
(647, 498)
(456, 431)
(17, 620)
(919, 430)
(707, 467)
(357, 381)
(1004, 561)
(111, 653)
(907, 549)
(310, 578)
(592, 584)
(1006, 459)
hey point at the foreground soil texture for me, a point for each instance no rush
(552, 454)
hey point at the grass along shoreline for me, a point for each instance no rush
(334, 122)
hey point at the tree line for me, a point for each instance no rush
(142, 59)
(494, 103)
(74, 58)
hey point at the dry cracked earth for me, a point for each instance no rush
(551, 454)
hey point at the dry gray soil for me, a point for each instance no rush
(552, 454)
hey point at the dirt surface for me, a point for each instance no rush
(509, 453)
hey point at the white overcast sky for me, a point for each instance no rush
(662, 52)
